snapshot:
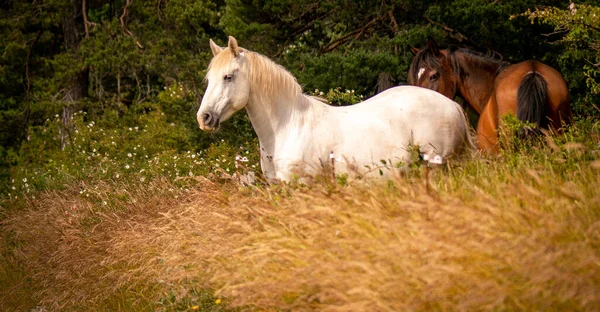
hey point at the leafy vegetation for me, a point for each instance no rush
(112, 199)
(580, 26)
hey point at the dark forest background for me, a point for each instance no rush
(123, 64)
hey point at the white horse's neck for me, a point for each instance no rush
(276, 107)
(274, 118)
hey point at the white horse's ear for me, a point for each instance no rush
(233, 46)
(215, 48)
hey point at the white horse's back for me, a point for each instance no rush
(387, 126)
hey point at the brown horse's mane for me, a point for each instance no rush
(491, 57)
(428, 58)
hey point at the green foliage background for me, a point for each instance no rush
(140, 65)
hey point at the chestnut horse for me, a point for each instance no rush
(536, 93)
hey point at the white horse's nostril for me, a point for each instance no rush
(206, 118)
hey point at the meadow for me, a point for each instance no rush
(117, 222)
(112, 199)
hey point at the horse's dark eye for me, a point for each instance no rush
(228, 77)
(434, 77)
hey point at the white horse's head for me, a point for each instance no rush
(228, 86)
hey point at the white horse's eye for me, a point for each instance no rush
(228, 77)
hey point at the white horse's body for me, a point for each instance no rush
(300, 135)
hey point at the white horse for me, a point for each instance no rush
(300, 135)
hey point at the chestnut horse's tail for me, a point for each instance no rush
(532, 98)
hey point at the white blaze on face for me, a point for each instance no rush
(421, 71)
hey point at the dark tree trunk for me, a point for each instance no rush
(384, 82)
(73, 31)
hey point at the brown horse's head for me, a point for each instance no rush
(435, 69)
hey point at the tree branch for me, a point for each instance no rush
(590, 26)
(453, 32)
(158, 3)
(28, 77)
(123, 20)
(301, 30)
(85, 19)
(561, 31)
(357, 32)
(395, 27)
(125, 15)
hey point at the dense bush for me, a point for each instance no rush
(126, 64)
(580, 62)
(140, 145)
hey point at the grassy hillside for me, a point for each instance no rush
(520, 231)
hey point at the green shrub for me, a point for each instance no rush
(136, 147)
(579, 29)
(338, 97)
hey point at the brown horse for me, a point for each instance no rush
(534, 92)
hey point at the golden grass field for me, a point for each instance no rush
(516, 232)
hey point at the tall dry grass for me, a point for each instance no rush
(484, 238)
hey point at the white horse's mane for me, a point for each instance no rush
(266, 78)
